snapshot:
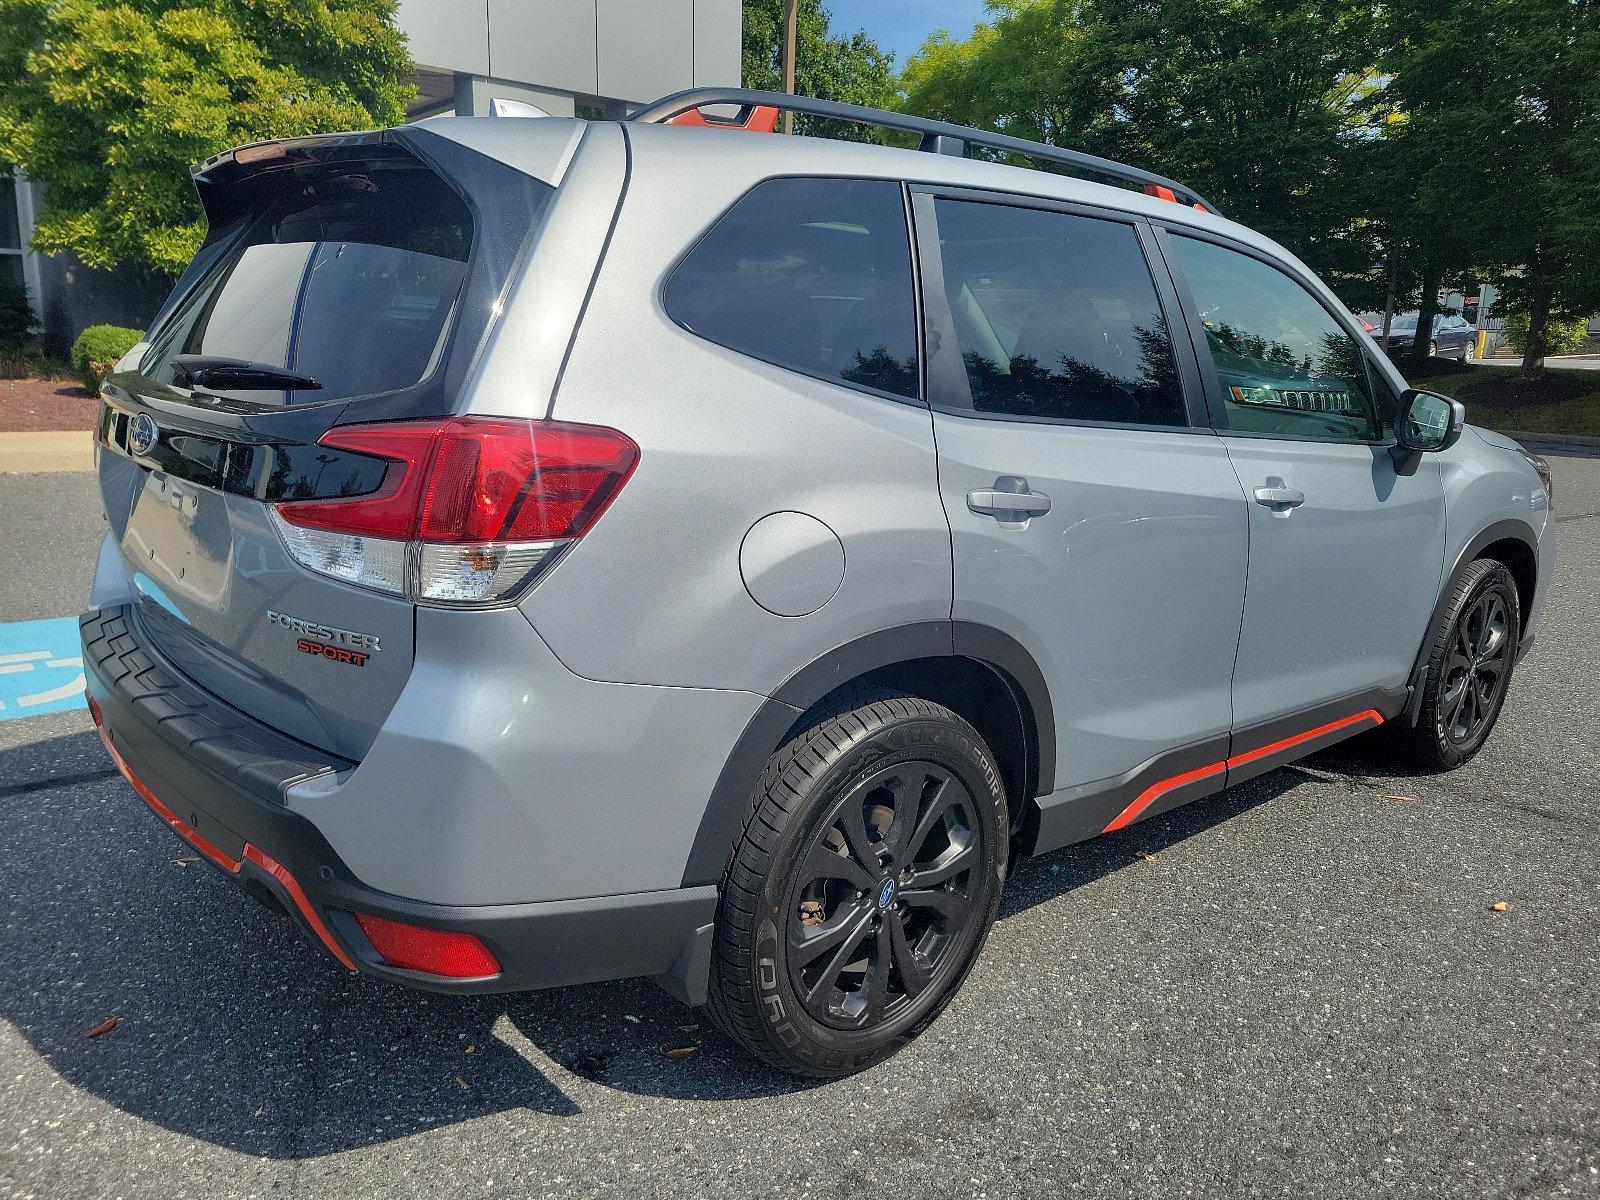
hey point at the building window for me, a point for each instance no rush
(11, 247)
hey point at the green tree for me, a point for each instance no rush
(850, 69)
(1501, 104)
(108, 103)
(1255, 103)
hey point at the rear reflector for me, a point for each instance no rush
(441, 952)
(470, 510)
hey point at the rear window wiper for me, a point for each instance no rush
(236, 374)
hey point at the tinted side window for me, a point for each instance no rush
(810, 274)
(1057, 316)
(1286, 366)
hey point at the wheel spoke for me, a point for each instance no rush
(951, 906)
(827, 863)
(875, 988)
(947, 866)
(816, 998)
(938, 804)
(912, 972)
(853, 823)
(906, 798)
(806, 942)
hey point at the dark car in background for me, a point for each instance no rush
(1452, 336)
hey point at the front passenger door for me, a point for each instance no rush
(1346, 547)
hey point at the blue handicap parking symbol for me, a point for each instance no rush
(41, 667)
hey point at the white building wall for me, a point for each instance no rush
(628, 51)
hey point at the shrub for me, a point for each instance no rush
(1562, 336)
(16, 319)
(97, 350)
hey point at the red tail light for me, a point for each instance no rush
(486, 502)
(433, 951)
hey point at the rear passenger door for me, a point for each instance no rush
(1093, 513)
(1346, 544)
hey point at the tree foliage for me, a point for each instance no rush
(108, 102)
(1500, 139)
(1251, 102)
(851, 69)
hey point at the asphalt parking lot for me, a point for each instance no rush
(1303, 991)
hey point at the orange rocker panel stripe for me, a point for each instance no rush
(223, 859)
(1156, 790)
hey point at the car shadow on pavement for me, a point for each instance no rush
(234, 1031)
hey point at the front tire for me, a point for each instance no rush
(1472, 652)
(862, 891)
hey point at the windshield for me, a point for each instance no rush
(351, 284)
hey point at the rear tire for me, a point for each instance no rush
(861, 893)
(1472, 652)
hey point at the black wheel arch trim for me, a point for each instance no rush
(1500, 531)
(729, 804)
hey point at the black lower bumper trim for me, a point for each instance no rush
(229, 795)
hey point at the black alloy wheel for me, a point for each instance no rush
(866, 881)
(1470, 655)
(886, 894)
(1474, 678)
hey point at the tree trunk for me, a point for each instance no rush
(1427, 307)
(1537, 343)
(1388, 299)
(791, 16)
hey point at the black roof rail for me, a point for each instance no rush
(939, 137)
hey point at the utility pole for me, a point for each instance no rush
(788, 61)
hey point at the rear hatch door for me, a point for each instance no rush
(344, 279)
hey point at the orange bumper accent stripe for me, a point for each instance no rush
(224, 860)
(1156, 790)
(292, 885)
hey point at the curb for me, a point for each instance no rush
(42, 453)
(1572, 440)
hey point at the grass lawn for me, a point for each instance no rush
(1561, 402)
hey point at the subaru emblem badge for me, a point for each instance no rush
(142, 434)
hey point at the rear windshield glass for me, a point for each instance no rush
(351, 285)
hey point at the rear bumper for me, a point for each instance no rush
(219, 779)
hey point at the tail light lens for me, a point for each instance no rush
(470, 511)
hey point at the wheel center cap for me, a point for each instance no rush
(886, 893)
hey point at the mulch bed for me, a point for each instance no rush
(44, 405)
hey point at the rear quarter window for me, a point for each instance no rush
(813, 275)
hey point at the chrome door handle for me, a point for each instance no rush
(1011, 501)
(1280, 497)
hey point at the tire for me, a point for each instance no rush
(1472, 653)
(1433, 349)
(805, 1002)
(1470, 351)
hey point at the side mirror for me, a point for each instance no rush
(1429, 422)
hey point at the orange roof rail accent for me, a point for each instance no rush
(751, 118)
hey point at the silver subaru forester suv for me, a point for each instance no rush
(545, 551)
